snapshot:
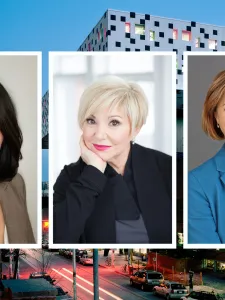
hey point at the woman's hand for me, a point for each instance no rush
(90, 158)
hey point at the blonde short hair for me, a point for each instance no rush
(114, 91)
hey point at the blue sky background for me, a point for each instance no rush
(62, 25)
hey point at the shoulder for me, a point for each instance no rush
(152, 153)
(204, 168)
(69, 172)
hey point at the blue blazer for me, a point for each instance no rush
(206, 201)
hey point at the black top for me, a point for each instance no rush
(84, 212)
(130, 227)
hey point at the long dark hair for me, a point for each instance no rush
(10, 150)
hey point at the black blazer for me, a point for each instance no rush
(82, 214)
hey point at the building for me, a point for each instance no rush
(27, 289)
(131, 31)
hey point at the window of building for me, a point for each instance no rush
(213, 44)
(89, 46)
(197, 42)
(175, 34)
(127, 27)
(152, 35)
(139, 29)
(101, 33)
(186, 35)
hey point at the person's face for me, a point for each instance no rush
(1, 139)
(220, 115)
(108, 128)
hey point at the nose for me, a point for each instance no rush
(100, 132)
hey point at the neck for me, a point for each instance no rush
(118, 162)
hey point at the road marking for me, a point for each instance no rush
(82, 287)
(90, 283)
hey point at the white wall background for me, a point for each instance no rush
(71, 73)
(18, 74)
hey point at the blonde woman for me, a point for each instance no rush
(118, 191)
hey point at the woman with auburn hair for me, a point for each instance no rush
(206, 183)
(15, 227)
(118, 191)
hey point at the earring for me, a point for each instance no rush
(218, 126)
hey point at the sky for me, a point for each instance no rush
(62, 25)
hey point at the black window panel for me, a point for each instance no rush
(214, 32)
(214, 50)
(101, 25)
(161, 34)
(170, 25)
(156, 44)
(156, 23)
(179, 72)
(99, 47)
(188, 28)
(132, 14)
(202, 30)
(132, 41)
(147, 17)
(222, 43)
(95, 42)
(188, 48)
(113, 27)
(202, 45)
(127, 49)
(170, 41)
(193, 24)
(93, 30)
(142, 21)
(88, 36)
(118, 44)
(137, 50)
(113, 17)
(105, 15)
(123, 19)
(102, 40)
(175, 50)
(127, 35)
(142, 37)
(92, 41)
(103, 47)
(106, 44)
(206, 35)
(147, 48)
(182, 57)
(108, 32)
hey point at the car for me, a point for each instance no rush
(44, 275)
(86, 260)
(170, 290)
(80, 253)
(146, 279)
(200, 295)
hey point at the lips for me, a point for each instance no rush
(101, 147)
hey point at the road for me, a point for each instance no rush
(112, 285)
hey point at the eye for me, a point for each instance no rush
(114, 123)
(90, 121)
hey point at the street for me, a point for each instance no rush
(112, 285)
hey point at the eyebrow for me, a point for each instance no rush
(108, 117)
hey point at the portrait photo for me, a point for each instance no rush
(204, 207)
(112, 148)
(20, 149)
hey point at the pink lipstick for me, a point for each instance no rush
(101, 147)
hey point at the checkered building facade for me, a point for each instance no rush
(131, 31)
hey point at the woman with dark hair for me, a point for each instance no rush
(14, 219)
